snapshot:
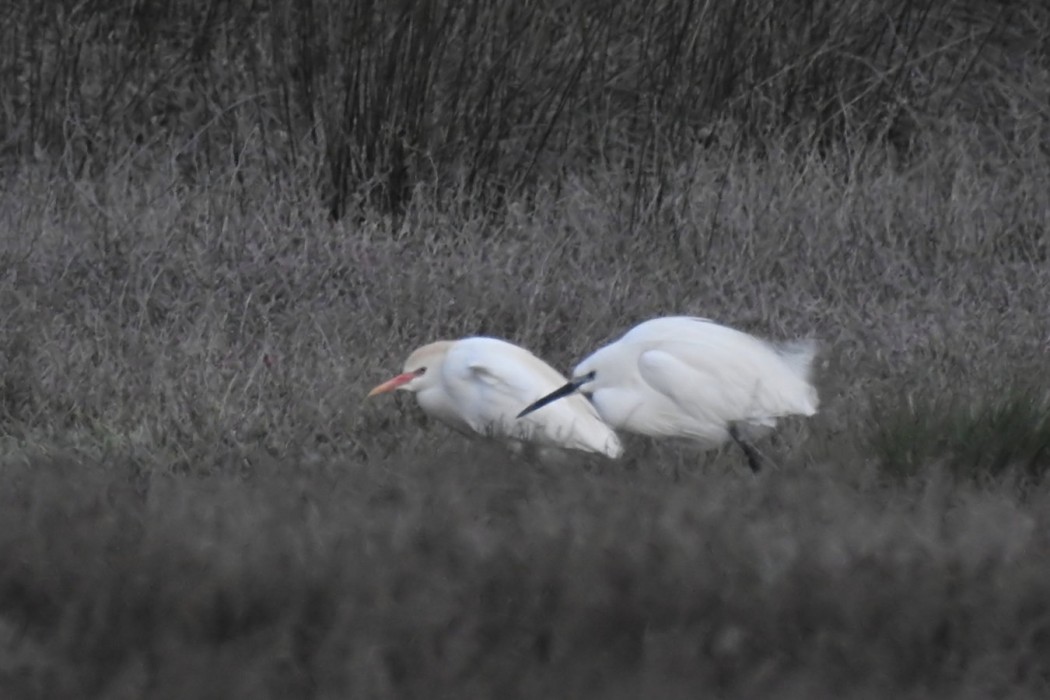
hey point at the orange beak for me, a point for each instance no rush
(393, 383)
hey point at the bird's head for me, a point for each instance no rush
(584, 376)
(420, 370)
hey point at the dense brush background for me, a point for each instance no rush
(221, 223)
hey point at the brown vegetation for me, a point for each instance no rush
(221, 223)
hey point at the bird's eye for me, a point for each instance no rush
(421, 371)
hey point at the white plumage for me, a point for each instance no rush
(692, 378)
(478, 385)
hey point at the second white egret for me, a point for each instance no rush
(687, 377)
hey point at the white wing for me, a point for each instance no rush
(726, 377)
(777, 374)
(491, 381)
(670, 328)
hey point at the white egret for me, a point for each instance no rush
(478, 385)
(692, 378)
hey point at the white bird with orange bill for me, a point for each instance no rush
(686, 377)
(478, 385)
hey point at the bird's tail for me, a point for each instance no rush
(798, 355)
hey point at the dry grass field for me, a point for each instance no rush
(222, 223)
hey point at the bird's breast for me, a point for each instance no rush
(621, 408)
(438, 405)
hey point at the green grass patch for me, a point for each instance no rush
(1003, 434)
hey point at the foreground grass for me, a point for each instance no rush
(459, 573)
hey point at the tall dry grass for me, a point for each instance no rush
(373, 98)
